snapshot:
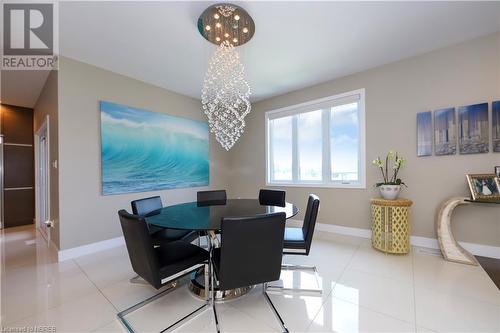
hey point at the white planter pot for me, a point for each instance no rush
(390, 192)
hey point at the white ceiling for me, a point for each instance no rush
(296, 44)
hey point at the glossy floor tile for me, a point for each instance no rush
(363, 290)
(388, 296)
(434, 273)
(340, 316)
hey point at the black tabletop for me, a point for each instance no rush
(192, 216)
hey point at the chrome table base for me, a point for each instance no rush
(198, 289)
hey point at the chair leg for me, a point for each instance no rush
(212, 287)
(121, 315)
(271, 305)
(138, 280)
(290, 267)
(207, 283)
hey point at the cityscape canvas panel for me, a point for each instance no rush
(424, 133)
(445, 137)
(147, 151)
(473, 129)
(495, 128)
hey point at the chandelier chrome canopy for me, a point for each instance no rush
(225, 94)
(226, 22)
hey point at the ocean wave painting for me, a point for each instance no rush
(147, 151)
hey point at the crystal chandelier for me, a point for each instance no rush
(225, 94)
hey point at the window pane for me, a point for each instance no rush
(310, 145)
(344, 142)
(281, 141)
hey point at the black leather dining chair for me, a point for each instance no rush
(158, 266)
(211, 197)
(272, 197)
(240, 262)
(297, 241)
(144, 206)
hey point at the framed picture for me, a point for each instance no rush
(424, 133)
(497, 171)
(484, 187)
(473, 129)
(495, 126)
(144, 151)
(445, 138)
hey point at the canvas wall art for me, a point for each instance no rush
(473, 129)
(146, 151)
(495, 128)
(424, 133)
(445, 138)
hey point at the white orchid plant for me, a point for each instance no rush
(398, 163)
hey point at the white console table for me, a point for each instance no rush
(451, 250)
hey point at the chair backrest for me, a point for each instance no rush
(139, 247)
(251, 250)
(310, 220)
(272, 197)
(208, 197)
(145, 206)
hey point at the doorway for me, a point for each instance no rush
(17, 167)
(42, 179)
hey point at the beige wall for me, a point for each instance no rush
(47, 105)
(86, 216)
(457, 75)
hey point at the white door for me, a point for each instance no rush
(42, 179)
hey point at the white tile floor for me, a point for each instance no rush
(363, 291)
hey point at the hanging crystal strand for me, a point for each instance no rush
(225, 95)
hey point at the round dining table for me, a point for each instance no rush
(206, 218)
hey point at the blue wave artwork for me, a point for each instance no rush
(147, 151)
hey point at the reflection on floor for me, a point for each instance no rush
(363, 290)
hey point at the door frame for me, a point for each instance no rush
(40, 225)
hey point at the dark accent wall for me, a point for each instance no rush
(18, 165)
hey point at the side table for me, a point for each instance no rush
(451, 250)
(391, 225)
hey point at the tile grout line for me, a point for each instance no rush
(367, 308)
(90, 280)
(413, 284)
(21, 266)
(263, 322)
(336, 282)
(362, 306)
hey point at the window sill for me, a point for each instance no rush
(319, 185)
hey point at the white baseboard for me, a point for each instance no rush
(482, 250)
(432, 243)
(79, 251)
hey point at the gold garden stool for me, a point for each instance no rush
(391, 225)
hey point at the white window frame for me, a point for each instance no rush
(339, 99)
